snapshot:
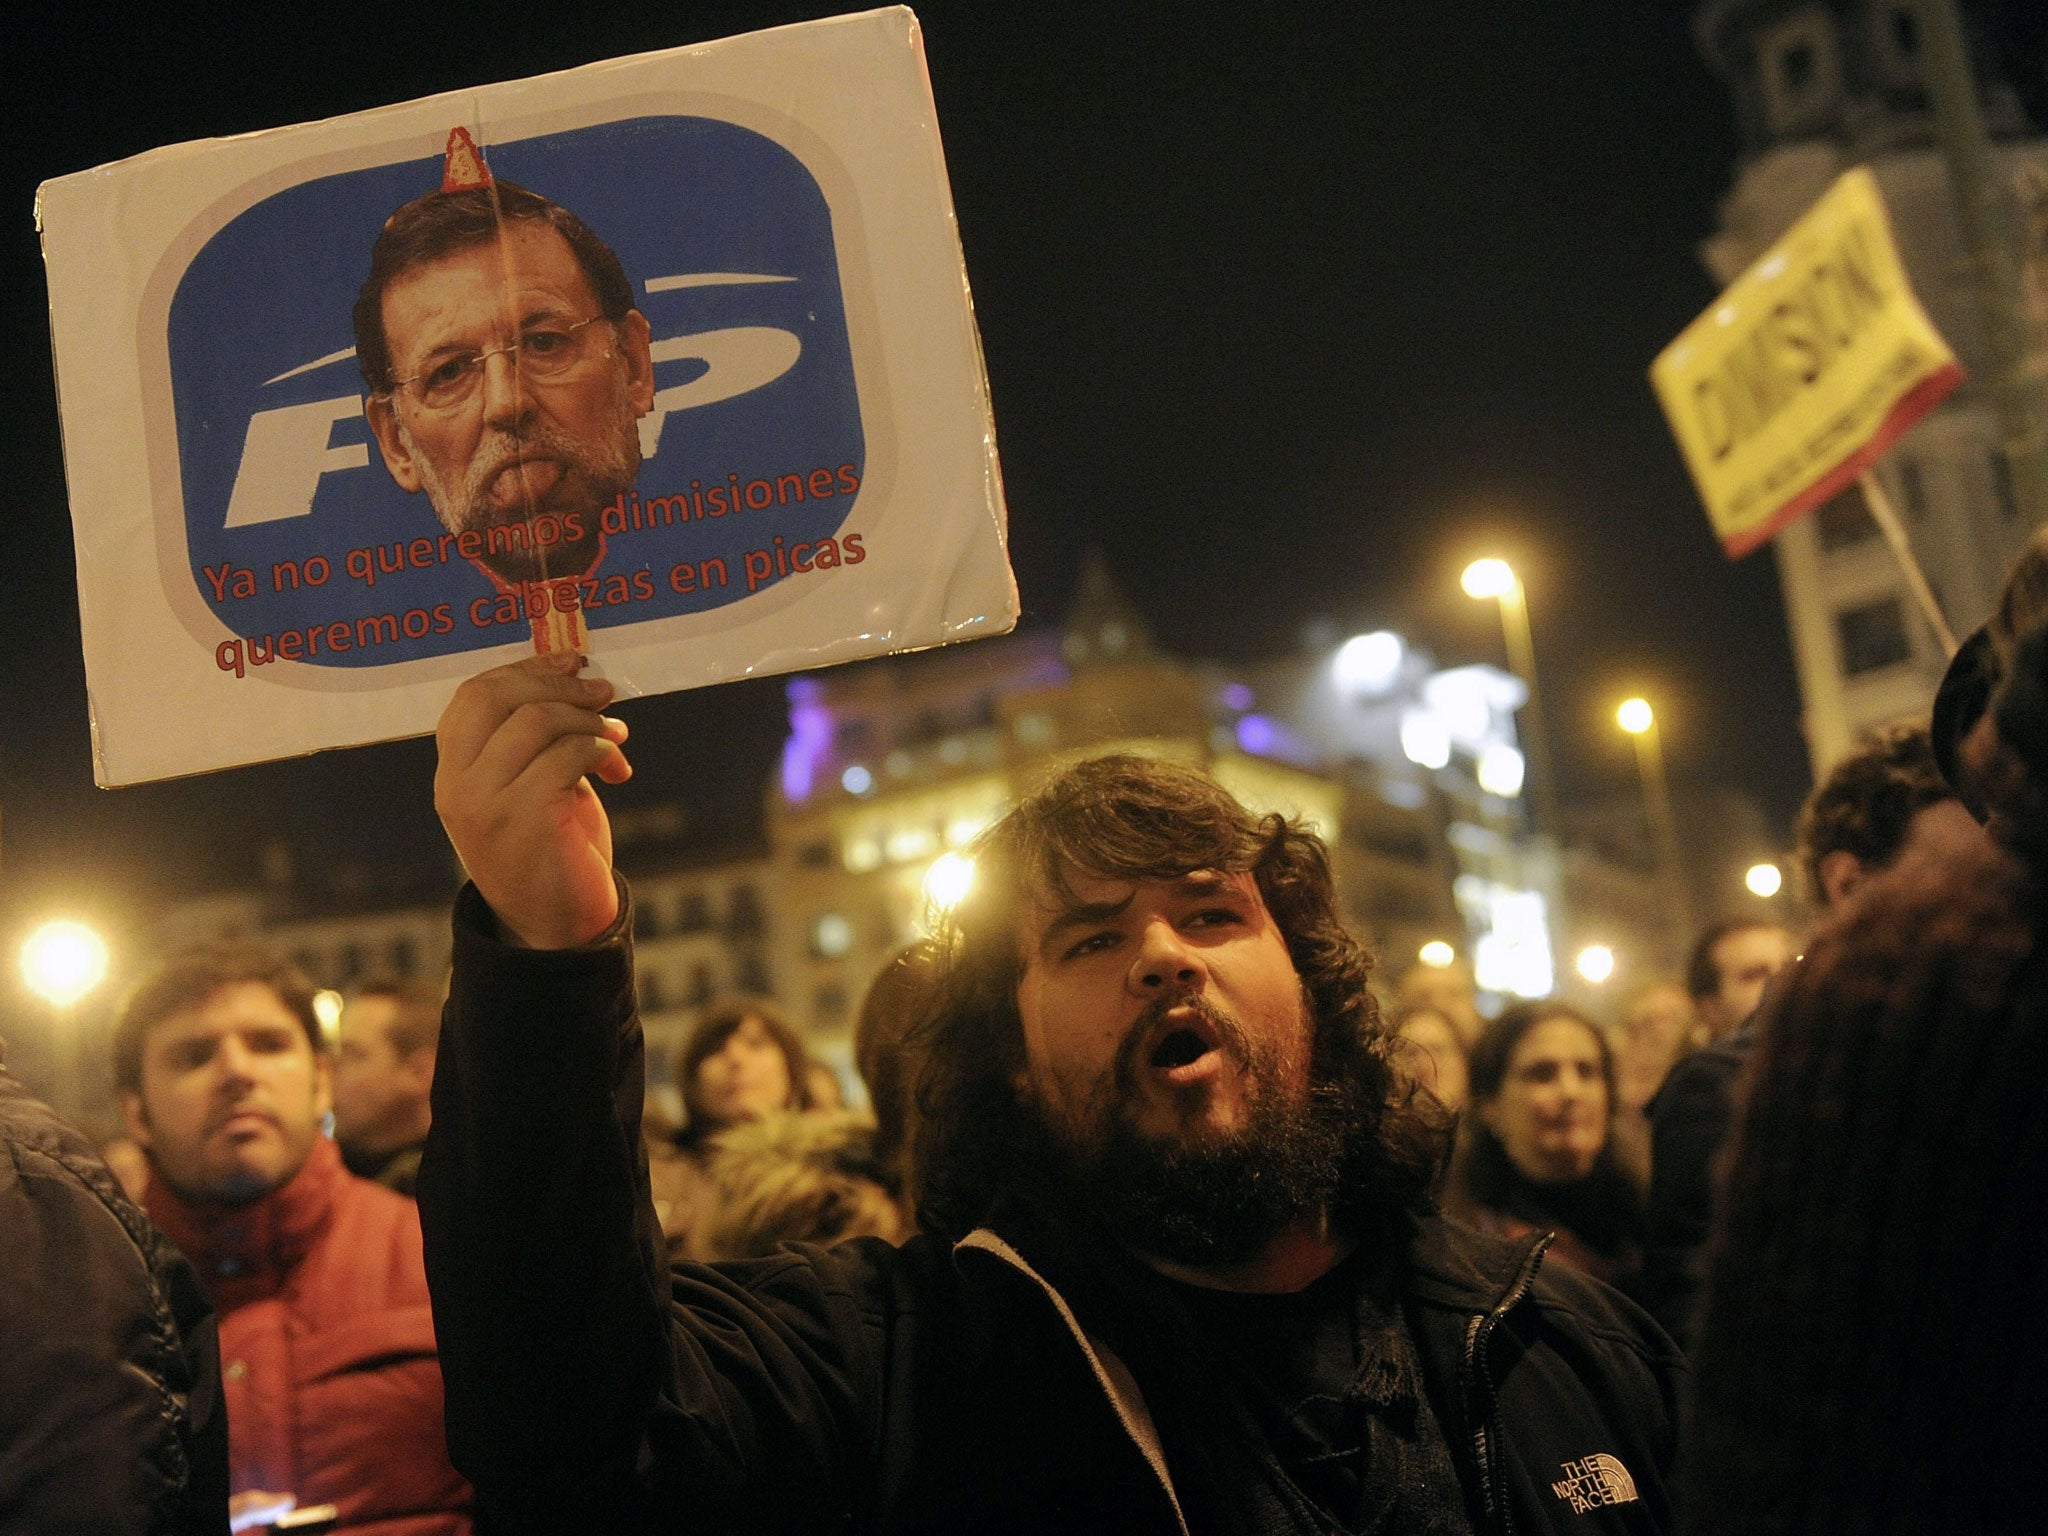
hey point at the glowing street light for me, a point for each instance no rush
(1596, 963)
(61, 962)
(1436, 954)
(1488, 578)
(1635, 716)
(947, 882)
(1764, 880)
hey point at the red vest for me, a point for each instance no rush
(327, 1347)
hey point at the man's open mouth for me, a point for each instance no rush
(1180, 1048)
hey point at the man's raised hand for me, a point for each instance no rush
(516, 745)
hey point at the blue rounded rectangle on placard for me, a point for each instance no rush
(294, 526)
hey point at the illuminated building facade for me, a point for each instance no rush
(891, 767)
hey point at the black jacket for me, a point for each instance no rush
(870, 1388)
(111, 1420)
(1691, 1120)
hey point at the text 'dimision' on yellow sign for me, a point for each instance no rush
(1805, 371)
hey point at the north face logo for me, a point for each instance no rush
(1593, 1481)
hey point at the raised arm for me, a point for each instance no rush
(581, 1393)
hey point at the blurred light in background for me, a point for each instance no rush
(1369, 665)
(1635, 716)
(947, 882)
(831, 936)
(1437, 953)
(62, 961)
(327, 1013)
(1501, 769)
(1424, 741)
(1596, 963)
(1764, 880)
(1488, 578)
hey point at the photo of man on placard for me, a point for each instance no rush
(507, 369)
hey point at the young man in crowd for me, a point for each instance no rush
(383, 1076)
(1731, 964)
(327, 1339)
(1179, 1269)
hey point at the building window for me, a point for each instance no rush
(1801, 73)
(651, 999)
(743, 912)
(1843, 521)
(1872, 636)
(647, 919)
(754, 976)
(693, 916)
(1795, 68)
(2001, 486)
(404, 956)
(815, 855)
(700, 985)
(828, 1004)
(349, 963)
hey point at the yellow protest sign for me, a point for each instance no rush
(1805, 371)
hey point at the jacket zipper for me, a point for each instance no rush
(1478, 1372)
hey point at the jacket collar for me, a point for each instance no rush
(1447, 1264)
(1472, 1272)
(245, 1252)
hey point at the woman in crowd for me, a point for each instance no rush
(1537, 1149)
(1434, 1054)
(741, 1063)
(808, 1178)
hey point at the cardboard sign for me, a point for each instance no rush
(1811, 365)
(669, 358)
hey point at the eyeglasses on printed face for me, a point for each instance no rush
(542, 353)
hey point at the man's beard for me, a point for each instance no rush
(1207, 1199)
(593, 473)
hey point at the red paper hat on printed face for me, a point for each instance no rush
(464, 169)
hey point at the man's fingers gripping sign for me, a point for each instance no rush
(518, 746)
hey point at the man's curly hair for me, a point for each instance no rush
(1139, 819)
(1868, 801)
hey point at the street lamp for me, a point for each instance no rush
(61, 962)
(947, 882)
(1640, 722)
(1764, 880)
(1496, 580)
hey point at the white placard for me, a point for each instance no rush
(282, 550)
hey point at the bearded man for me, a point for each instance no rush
(1179, 1272)
(507, 370)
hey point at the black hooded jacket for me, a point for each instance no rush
(111, 1417)
(931, 1387)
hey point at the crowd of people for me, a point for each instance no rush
(1161, 1216)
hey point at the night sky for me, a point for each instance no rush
(1292, 314)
